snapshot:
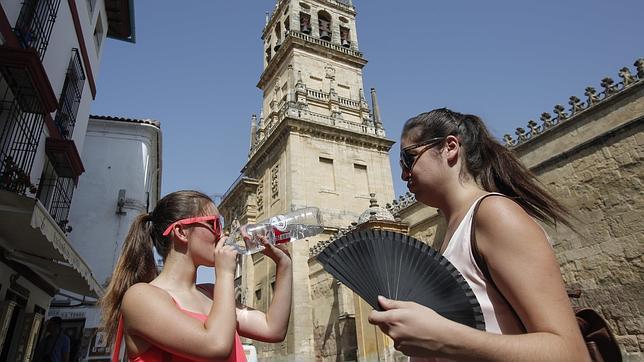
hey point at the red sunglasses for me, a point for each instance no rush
(213, 222)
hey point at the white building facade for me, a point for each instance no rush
(122, 179)
(50, 52)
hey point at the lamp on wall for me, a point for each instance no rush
(120, 203)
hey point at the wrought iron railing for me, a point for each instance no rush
(55, 193)
(71, 96)
(35, 23)
(19, 137)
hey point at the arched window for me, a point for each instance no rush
(345, 37)
(278, 37)
(324, 23)
(305, 23)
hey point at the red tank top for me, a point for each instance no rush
(155, 354)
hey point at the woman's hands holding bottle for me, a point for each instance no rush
(225, 258)
(278, 253)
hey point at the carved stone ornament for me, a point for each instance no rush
(575, 105)
(609, 86)
(275, 181)
(260, 195)
(639, 64)
(546, 118)
(534, 128)
(329, 72)
(508, 141)
(521, 134)
(591, 93)
(560, 111)
(627, 77)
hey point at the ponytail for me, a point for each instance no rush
(499, 170)
(492, 165)
(136, 264)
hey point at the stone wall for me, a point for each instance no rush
(603, 188)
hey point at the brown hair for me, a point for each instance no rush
(136, 263)
(492, 165)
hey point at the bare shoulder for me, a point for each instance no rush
(499, 220)
(503, 212)
(142, 294)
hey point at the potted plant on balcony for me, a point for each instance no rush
(13, 178)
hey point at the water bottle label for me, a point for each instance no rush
(280, 230)
(279, 222)
(281, 237)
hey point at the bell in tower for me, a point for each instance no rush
(344, 37)
(305, 23)
(324, 22)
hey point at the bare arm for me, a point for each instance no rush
(524, 268)
(272, 325)
(151, 313)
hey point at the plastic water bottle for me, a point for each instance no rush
(280, 229)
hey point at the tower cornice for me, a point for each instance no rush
(320, 131)
(295, 39)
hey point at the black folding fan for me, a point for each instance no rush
(397, 266)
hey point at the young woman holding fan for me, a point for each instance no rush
(490, 201)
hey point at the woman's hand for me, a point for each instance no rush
(415, 329)
(225, 258)
(278, 253)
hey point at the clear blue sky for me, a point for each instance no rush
(195, 65)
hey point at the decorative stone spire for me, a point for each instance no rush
(268, 17)
(260, 127)
(376, 109)
(253, 131)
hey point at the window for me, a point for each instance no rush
(99, 33)
(305, 23)
(345, 39)
(360, 179)
(324, 23)
(327, 175)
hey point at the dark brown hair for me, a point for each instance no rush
(136, 263)
(492, 165)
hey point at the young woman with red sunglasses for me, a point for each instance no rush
(166, 316)
(451, 162)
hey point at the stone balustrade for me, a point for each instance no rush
(324, 43)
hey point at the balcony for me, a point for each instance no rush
(19, 137)
(71, 96)
(35, 23)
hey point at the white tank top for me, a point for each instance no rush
(498, 314)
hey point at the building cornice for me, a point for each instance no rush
(151, 122)
(321, 131)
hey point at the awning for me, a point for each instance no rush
(32, 238)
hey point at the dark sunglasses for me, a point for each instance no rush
(408, 160)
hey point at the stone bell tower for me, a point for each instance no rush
(317, 142)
